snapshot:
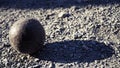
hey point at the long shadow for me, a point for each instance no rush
(51, 4)
(75, 51)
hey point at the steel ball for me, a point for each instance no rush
(27, 36)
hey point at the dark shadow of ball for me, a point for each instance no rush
(80, 51)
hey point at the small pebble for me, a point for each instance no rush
(18, 65)
(1, 45)
(36, 59)
(63, 15)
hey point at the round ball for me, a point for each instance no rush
(27, 36)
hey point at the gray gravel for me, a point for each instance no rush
(79, 34)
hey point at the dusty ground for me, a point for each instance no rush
(78, 34)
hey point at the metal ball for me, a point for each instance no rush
(27, 36)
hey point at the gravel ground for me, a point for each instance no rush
(79, 34)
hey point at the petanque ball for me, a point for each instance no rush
(27, 36)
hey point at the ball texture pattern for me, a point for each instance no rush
(27, 36)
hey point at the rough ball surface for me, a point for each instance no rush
(27, 36)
